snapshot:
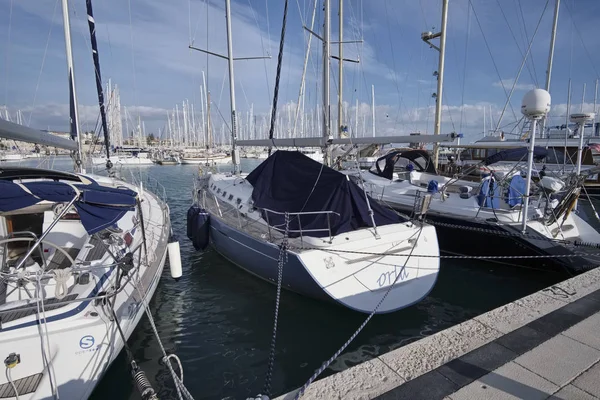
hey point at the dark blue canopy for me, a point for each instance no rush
(419, 157)
(520, 153)
(98, 207)
(289, 181)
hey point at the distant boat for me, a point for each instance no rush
(125, 157)
(10, 157)
(209, 159)
(170, 160)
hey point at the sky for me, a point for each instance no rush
(143, 47)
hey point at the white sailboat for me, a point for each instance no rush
(338, 245)
(497, 210)
(81, 256)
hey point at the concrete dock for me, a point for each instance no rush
(543, 346)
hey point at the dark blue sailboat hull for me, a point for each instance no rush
(261, 259)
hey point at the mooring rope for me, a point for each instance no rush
(326, 364)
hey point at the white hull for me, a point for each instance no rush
(80, 338)
(343, 269)
(206, 160)
(118, 160)
(11, 157)
(401, 195)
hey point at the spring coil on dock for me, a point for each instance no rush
(143, 384)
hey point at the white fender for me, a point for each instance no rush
(175, 260)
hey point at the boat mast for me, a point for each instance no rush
(234, 158)
(326, 64)
(341, 71)
(99, 89)
(73, 106)
(426, 37)
(551, 59)
(373, 108)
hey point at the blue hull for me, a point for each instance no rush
(261, 259)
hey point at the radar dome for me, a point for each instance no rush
(536, 103)
(582, 117)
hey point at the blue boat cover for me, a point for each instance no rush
(432, 186)
(489, 193)
(289, 181)
(516, 189)
(517, 154)
(419, 157)
(98, 207)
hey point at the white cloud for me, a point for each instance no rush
(508, 84)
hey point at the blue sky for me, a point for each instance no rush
(146, 53)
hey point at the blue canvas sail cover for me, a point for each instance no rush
(518, 154)
(289, 181)
(489, 193)
(516, 190)
(98, 207)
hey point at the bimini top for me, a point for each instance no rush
(289, 181)
(98, 206)
(418, 158)
(517, 154)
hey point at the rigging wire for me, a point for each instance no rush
(522, 64)
(587, 52)
(305, 65)
(394, 75)
(487, 45)
(39, 79)
(262, 44)
(532, 61)
(512, 33)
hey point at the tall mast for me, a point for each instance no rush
(236, 167)
(550, 59)
(552, 42)
(73, 106)
(326, 63)
(427, 36)
(341, 71)
(440, 83)
(99, 89)
(373, 108)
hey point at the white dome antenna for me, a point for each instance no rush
(582, 118)
(536, 104)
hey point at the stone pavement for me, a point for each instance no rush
(544, 346)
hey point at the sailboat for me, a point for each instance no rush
(496, 215)
(296, 221)
(81, 258)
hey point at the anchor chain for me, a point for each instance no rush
(282, 260)
(326, 364)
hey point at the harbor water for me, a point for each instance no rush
(218, 319)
